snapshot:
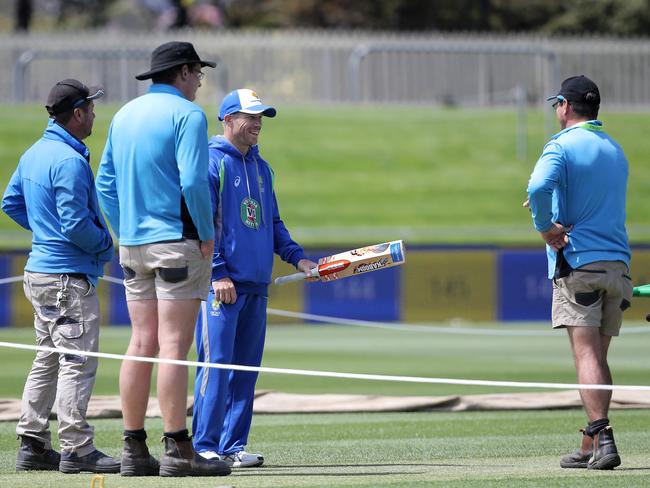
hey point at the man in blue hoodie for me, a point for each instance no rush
(52, 194)
(577, 196)
(232, 325)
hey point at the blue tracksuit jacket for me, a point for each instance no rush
(243, 251)
(248, 231)
(52, 193)
(581, 180)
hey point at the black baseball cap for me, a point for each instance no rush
(69, 94)
(172, 54)
(576, 88)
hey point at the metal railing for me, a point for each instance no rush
(121, 80)
(342, 67)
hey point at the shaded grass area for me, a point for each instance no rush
(350, 175)
(468, 449)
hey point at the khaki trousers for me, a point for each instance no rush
(66, 315)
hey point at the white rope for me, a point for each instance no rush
(13, 279)
(330, 374)
(401, 326)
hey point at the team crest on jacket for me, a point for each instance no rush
(250, 213)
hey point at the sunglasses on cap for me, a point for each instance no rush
(559, 101)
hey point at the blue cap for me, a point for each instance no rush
(245, 101)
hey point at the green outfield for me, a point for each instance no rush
(464, 449)
(347, 175)
(544, 358)
(355, 175)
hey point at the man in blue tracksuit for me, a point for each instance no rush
(232, 325)
(577, 196)
(52, 194)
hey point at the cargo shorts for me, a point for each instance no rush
(166, 271)
(594, 295)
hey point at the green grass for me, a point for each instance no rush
(466, 449)
(469, 449)
(350, 175)
(379, 351)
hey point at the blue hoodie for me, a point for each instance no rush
(246, 235)
(52, 193)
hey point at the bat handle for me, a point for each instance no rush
(295, 277)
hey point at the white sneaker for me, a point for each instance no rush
(209, 455)
(242, 459)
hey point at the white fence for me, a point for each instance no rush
(339, 67)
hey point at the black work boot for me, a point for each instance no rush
(32, 456)
(605, 453)
(180, 459)
(136, 460)
(94, 462)
(579, 458)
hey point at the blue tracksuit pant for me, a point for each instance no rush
(223, 399)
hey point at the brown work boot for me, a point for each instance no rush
(136, 460)
(605, 454)
(579, 458)
(180, 459)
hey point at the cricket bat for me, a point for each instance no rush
(351, 263)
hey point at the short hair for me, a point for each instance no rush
(589, 108)
(64, 117)
(168, 77)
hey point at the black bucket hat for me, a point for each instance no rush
(173, 54)
(70, 94)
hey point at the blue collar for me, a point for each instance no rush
(57, 132)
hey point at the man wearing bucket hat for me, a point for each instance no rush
(153, 187)
(232, 324)
(52, 194)
(577, 195)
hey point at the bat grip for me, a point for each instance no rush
(295, 277)
(289, 278)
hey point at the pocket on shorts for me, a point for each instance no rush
(587, 299)
(173, 275)
(129, 273)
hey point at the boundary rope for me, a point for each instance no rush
(330, 374)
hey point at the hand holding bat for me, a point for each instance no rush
(349, 263)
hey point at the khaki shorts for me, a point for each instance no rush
(594, 295)
(166, 271)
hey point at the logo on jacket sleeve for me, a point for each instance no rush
(237, 181)
(250, 213)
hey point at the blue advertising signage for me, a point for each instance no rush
(369, 296)
(524, 290)
(5, 291)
